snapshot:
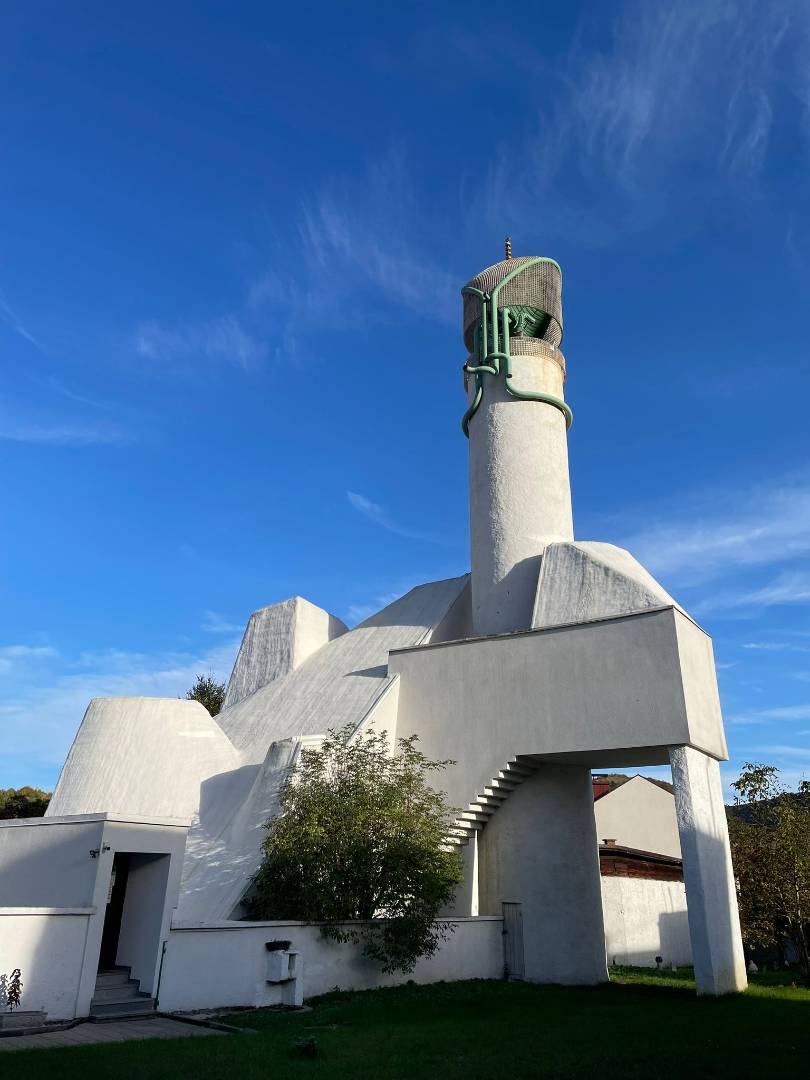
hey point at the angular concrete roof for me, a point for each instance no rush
(338, 683)
(336, 686)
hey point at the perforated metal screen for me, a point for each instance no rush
(538, 286)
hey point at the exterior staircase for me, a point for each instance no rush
(119, 995)
(483, 806)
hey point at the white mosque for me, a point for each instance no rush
(552, 658)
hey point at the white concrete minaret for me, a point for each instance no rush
(517, 420)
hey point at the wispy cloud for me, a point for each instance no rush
(380, 516)
(80, 399)
(17, 425)
(764, 716)
(223, 339)
(776, 646)
(657, 108)
(366, 235)
(788, 588)
(214, 623)
(9, 317)
(782, 750)
(12, 655)
(719, 532)
(26, 652)
(358, 613)
(52, 703)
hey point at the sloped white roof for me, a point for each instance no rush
(337, 685)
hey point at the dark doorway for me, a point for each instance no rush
(115, 908)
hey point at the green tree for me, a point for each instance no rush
(362, 836)
(208, 692)
(769, 829)
(23, 802)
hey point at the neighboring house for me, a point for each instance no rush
(643, 894)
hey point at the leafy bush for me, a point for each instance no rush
(362, 836)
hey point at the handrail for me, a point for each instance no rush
(490, 362)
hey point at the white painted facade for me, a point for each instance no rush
(639, 814)
(57, 945)
(645, 919)
(554, 657)
(236, 952)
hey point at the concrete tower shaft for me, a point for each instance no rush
(520, 495)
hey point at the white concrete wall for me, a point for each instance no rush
(645, 919)
(277, 640)
(141, 756)
(588, 580)
(614, 685)
(539, 850)
(641, 815)
(520, 494)
(48, 864)
(225, 964)
(59, 863)
(48, 947)
(138, 838)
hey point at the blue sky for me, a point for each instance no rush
(232, 242)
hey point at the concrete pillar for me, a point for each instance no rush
(520, 494)
(711, 897)
(540, 850)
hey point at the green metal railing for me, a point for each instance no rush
(491, 349)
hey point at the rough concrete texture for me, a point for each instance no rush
(714, 922)
(539, 850)
(141, 756)
(520, 496)
(344, 683)
(223, 847)
(338, 684)
(588, 580)
(277, 640)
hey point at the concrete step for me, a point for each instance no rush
(504, 783)
(135, 1007)
(113, 977)
(491, 801)
(124, 992)
(471, 816)
(502, 786)
(517, 768)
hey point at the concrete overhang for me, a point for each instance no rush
(613, 691)
(81, 819)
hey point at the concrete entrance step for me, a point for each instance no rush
(119, 992)
(117, 1009)
(113, 977)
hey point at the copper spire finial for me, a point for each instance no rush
(509, 247)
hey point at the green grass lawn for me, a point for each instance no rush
(644, 1024)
